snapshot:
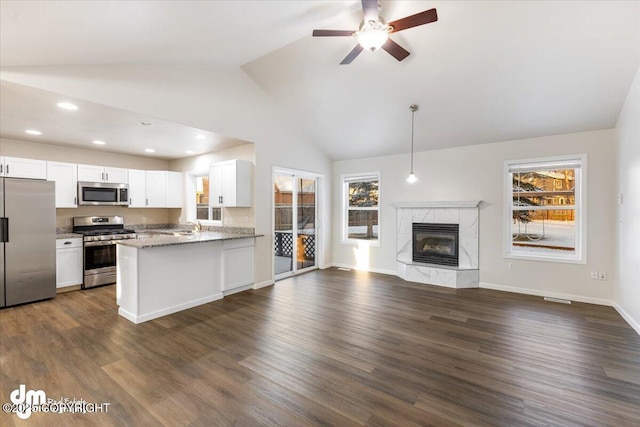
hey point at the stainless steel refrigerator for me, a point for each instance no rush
(27, 240)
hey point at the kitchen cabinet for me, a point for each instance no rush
(69, 262)
(230, 184)
(175, 189)
(65, 175)
(15, 167)
(237, 264)
(93, 173)
(155, 189)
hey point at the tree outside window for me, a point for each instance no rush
(362, 207)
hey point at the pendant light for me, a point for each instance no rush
(412, 178)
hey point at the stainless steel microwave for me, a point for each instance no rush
(103, 193)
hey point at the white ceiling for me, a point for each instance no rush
(485, 72)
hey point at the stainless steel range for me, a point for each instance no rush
(100, 236)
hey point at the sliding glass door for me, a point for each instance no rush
(295, 212)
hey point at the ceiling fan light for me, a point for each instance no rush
(372, 39)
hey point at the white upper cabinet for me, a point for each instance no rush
(156, 189)
(230, 184)
(14, 167)
(137, 189)
(92, 173)
(66, 178)
(175, 189)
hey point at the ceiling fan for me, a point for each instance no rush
(374, 33)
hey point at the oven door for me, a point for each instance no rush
(99, 263)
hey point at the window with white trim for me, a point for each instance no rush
(204, 212)
(545, 215)
(361, 207)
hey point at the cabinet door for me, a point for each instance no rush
(66, 179)
(215, 185)
(90, 173)
(229, 184)
(175, 189)
(238, 267)
(116, 175)
(15, 167)
(156, 189)
(69, 266)
(137, 189)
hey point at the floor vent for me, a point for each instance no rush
(344, 269)
(560, 300)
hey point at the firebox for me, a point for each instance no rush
(435, 243)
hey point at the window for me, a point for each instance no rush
(544, 201)
(361, 207)
(204, 212)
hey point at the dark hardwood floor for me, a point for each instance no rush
(328, 348)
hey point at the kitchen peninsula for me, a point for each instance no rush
(160, 273)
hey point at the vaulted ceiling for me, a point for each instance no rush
(484, 72)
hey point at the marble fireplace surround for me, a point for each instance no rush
(465, 214)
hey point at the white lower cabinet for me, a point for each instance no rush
(69, 262)
(237, 264)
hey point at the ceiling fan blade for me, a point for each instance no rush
(414, 20)
(352, 55)
(370, 10)
(332, 33)
(395, 50)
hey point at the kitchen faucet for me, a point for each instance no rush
(196, 225)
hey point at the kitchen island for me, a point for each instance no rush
(160, 273)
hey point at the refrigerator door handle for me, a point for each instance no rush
(4, 229)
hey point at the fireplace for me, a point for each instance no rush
(435, 243)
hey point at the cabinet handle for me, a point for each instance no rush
(7, 170)
(75, 200)
(147, 202)
(107, 175)
(1, 168)
(67, 243)
(129, 201)
(102, 176)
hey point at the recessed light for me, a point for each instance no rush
(33, 132)
(67, 106)
(190, 152)
(200, 136)
(145, 123)
(98, 142)
(149, 150)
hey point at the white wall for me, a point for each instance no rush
(627, 289)
(224, 101)
(476, 173)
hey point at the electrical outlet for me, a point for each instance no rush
(144, 219)
(603, 275)
(594, 275)
(67, 221)
(246, 219)
(511, 266)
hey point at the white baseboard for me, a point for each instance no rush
(370, 270)
(263, 284)
(540, 293)
(626, 316)
(238, 289)
(169, 310)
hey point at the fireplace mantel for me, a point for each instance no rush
(463, 213)
(418, 205)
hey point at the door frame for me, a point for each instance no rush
(319, 241)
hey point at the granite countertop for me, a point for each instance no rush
(68, 236)
(158, 238)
